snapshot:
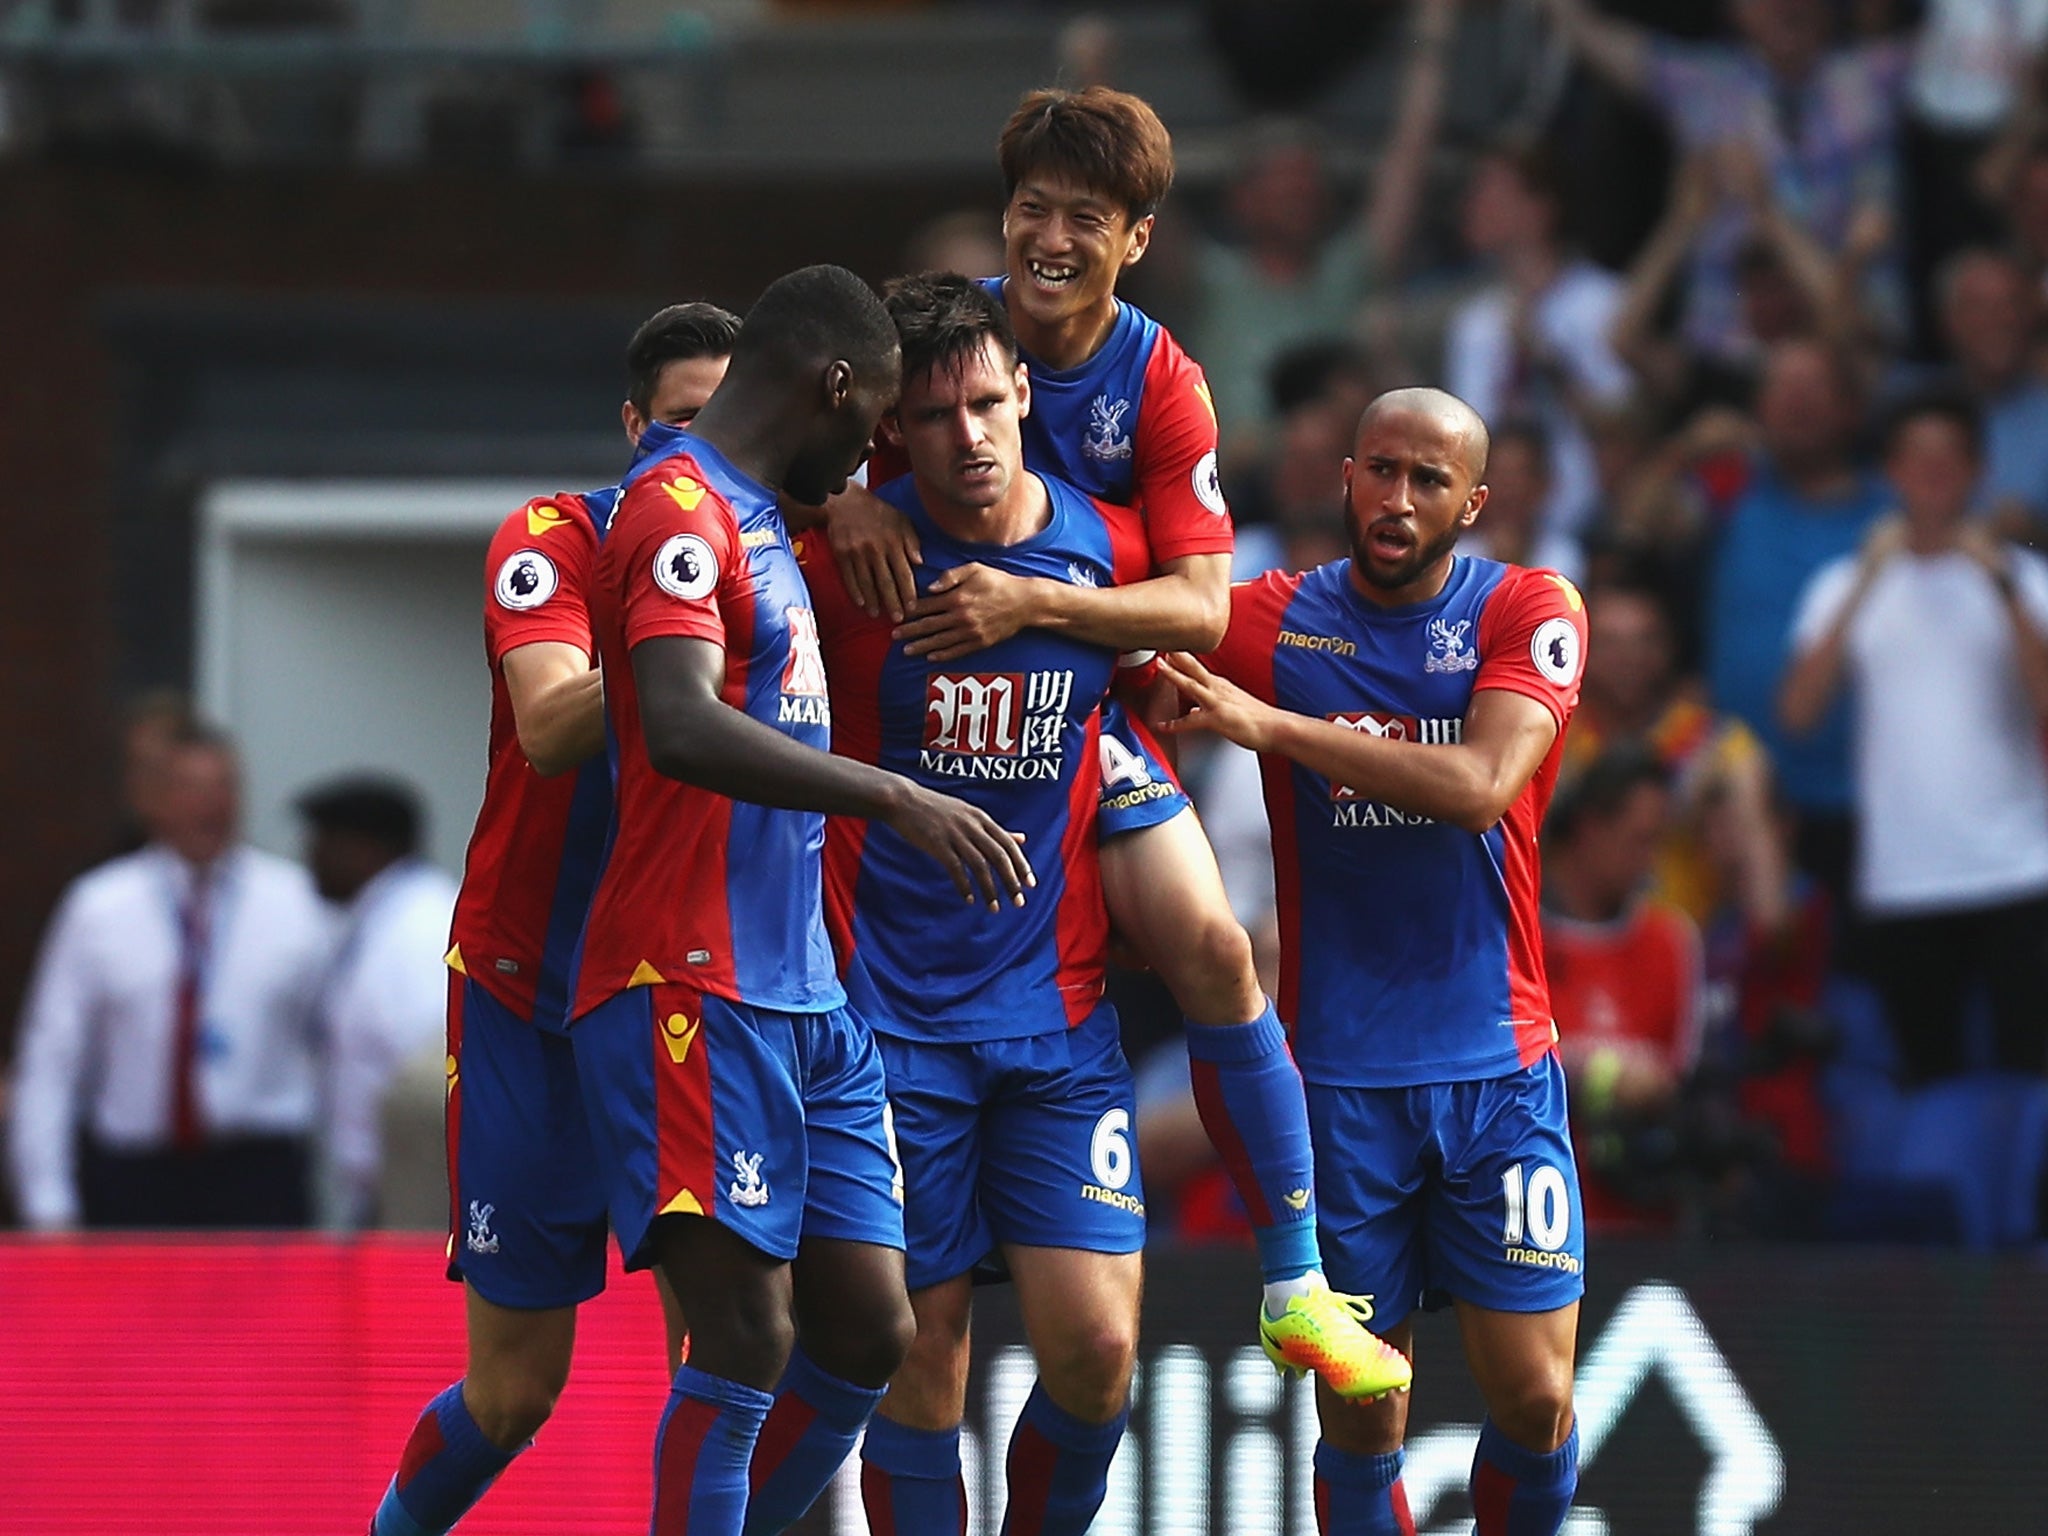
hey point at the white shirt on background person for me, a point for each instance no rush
(98, 1035)
(1951, 784)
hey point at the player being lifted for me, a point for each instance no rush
(735, 1103)
(1011, 1094)
(1121, 413)
(1410, 708)
(527, 1224)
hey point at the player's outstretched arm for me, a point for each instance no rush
(557, 704)
(1469, 784)
(694, 736)
(969, 608)
(875, 547)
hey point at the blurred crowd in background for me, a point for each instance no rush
(1755, 316)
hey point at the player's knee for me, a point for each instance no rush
(1537, 1411)
(1364, 1428)
(510, 1408)
(1211, 972)
(869, 1344)
(1088, 1372)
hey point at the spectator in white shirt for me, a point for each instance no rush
(1535, 342)
(384, 1000)
(1941, 633)
(167, 1064)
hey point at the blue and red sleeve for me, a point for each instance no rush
(1532, 641)
(679, 559)
(1177, 485)
(537, 578)
(1257, 610)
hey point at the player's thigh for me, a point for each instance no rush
(1080, 1312)
(1060, 1151)
(1158, 879)
(696, 1108)
(1368, 1428)
(935, 1128)
(518, 1359)
(1371, 1196)
(1522, 1363)
(528, 1206)
(853, 1313)
(1506, 1228)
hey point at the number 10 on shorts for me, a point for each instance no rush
(1537, 1202)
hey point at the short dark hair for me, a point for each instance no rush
(678, 334)
(383, 810)
(1109, 141)
(1604, 788)
(815, 315)
(943, 319)
(1950, 405)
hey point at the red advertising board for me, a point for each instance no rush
(207, 1388)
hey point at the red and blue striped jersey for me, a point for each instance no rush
(1133, 426)
(1013, 729)
(1411, 950)
(534, 855)
(717, 894)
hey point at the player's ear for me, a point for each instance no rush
(1472, 505)
(890, 429)
(634, 423)
(1347, 481)
(837, 381)
(1023, 390)
(1141, 240)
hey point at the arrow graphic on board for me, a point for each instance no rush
(1654, 1329)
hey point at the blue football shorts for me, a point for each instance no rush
(1025, 1141)
(775, 1125)
(1138, 787)
(527, 1218)
(1463, 1191)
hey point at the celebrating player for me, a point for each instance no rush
(736, 1105)
(1410, 708)
(527, 1226)
(1120, 412)
(1011, 1095)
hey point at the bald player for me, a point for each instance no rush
(1409, 707)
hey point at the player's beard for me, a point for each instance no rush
(1418, 560)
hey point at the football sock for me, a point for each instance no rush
(1522, 1493)
(1252, 1105)
(701, 1453)
(447, 1464)
(910, 1482)
(1058, 1468)
(1360, 1495)
(809, 1434)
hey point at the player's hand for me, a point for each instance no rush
(987, 864)
(1217, 705)
(968, 609)
(875, 547)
